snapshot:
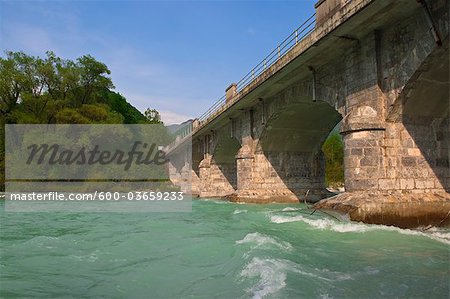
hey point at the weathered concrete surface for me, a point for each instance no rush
(406, 210)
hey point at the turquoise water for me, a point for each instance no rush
(220, 250)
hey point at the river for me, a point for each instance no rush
(219, 250)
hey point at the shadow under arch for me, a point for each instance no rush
(422, 109)
(224, 156)
(292, 141)
(197, 156)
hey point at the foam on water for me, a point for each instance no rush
(262, 241)
(328, 224)
(237, 211)
(217, 201)
(333, 275)
(40, 241)
(271, 274)
(289, 209)
(89, 257)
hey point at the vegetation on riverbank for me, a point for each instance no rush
(333, 149)
(53, 90)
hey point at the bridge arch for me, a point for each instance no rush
(217, 168)
(224, 156)
(299, 127)
(419, 119)
(289, 147)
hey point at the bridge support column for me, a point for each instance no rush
(279, 177)
(364, 158)
(244, 165)
(204, 176)
(396, 168)
(214, 178)
(195, 183)
(404, 155)
(181, 175)
(174, 174)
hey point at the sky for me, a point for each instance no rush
(175, 56)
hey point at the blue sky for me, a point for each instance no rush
(175, 56)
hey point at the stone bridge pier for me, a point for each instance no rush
(277, 161)
(217, 169)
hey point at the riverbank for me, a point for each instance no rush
(404, 210)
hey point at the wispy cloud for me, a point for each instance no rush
(170, 117)
(26, 37)
(179, 104)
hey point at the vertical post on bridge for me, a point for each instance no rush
(230, 92)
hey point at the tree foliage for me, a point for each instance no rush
(53, 90)
(152, 116)
(33, 89)
(119, 104)
(333, 149)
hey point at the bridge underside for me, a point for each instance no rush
(218, 171)
(286, 161)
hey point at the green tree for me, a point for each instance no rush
(16, 79)
(92, 78)
(119, 104)
(152, 116)
(333, 149)
(36, 90)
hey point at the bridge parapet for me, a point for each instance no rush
(327, 8)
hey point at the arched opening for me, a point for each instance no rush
(225, 158)
(422, 124)
(333, 150)
(197, 156)
(292, 144)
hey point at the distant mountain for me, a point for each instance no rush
(175, 128)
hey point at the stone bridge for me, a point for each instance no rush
(380, 67)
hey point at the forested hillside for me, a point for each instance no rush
(53, 90)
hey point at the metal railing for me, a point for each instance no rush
(213, 109)
(180, 135)
(282, 49)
